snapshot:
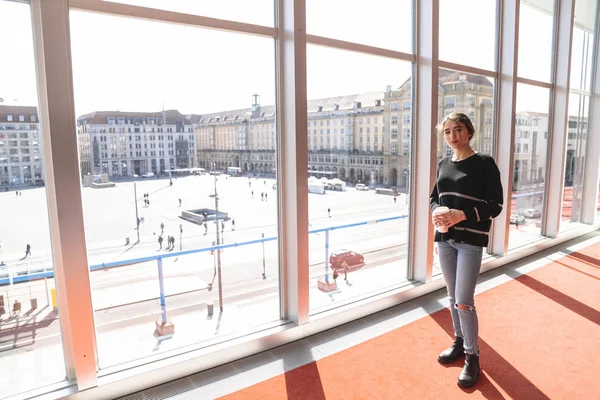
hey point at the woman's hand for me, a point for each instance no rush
(448, 219)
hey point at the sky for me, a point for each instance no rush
(134, 65)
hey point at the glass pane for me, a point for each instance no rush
(30, 335)
(582, 45)
(359, 141)
(472, 95)
(468, 32)
(180, 156)
(384, 23)
(259, 12)
(529, 173)
(536, 22)
(575, 161)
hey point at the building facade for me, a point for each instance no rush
(21, 152)
(123, 144)
(363, 138)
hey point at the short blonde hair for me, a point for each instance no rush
(458, 117)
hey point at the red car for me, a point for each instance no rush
(338, 257)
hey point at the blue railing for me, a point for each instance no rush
(50, 274)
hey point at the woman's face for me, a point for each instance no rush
(456, 135)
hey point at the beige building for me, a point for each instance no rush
(126, 143)
(21, 152)
(358, 138)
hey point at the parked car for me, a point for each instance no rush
(532, 213)
(514, 218)
(148, 175)
(351, 257)
(360, 186)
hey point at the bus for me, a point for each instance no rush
(234, 171)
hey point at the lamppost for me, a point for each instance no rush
(263, 254)
(216, 196)
(137, 219)
(180, 233)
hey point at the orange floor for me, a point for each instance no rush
(539, 339)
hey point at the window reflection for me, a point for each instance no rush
(577, 131)
(529, 170)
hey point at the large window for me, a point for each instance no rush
(468, 32)
(189, 167)
(30, 330)
(384, 23)
(529, 170)
(358, 186)
(536, 20)
(191, 240)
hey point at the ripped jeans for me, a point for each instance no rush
(460, 264)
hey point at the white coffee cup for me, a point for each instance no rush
(438, 211)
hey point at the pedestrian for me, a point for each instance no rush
(179, 202)
(27, 250)
(205, 228)
(172, 242)
(262, 196)
(17, 193)
(249, 183)
(517, 222)
(222, 225)
(265, 196)
(394, 199)
(160, 240)
(253, 194)
(335, 275)
(162, 228)
(345, 266)
(329, 212)
(472, 192)
(233, 224)
(137, 227)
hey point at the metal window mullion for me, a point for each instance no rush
(558, 120)
(165, 16)
(591, 178)
(504, 140)
(357, 47)
(466, 68)
(63, 185)
(533, 82)
(292, 155)
(423, 168)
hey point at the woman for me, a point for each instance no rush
(468, 183)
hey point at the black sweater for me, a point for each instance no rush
(473, 186)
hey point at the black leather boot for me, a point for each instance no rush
(452, 353)
(470, 372)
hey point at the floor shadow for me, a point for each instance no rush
(302, 383)
(577, 270)
(516, 385)
(592, 261)
(566, 301)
